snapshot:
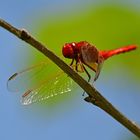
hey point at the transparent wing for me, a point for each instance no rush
(26, 78)
(49, 88)
(99, 67)
(92, 58)
(39, 83)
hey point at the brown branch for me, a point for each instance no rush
(94, 96)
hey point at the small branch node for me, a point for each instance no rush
(91, 100)
(24, 35)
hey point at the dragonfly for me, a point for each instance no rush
(82, 53)
(86, 54)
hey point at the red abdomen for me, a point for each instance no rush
(107, 54)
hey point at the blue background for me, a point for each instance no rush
(74, 119)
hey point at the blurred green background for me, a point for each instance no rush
(107, 25)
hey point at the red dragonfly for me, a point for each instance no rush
(83, 53)
(86, 54)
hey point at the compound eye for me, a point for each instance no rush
(68, 51)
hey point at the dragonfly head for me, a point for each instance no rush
(68, 50)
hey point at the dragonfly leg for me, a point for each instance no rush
(82, 69)
(72, 62)
(76, 68)
(89, 76)
(72, 65)
(79, 64)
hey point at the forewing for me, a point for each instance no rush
(27, 78)
(99, 67)
(89, 56)
(92, 58)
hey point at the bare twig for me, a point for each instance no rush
(94, 96)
